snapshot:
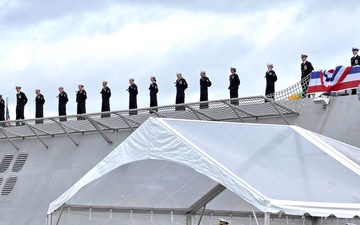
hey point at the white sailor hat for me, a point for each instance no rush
(223, 221)
(61, 87)
(81, 85)
(131, 78)
(17, 87)
(355, 49)
(303, 55)
(104, 81)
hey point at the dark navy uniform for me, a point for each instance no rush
(234, 87)
(271, 78)
(204, 84)
(81, 97)
(153, 94)
(355, 60)
(133, 92)
(39, 107)
(181, 86)
(21, 101)
(2, 110)
(105, 105)
(306, 69)
(63, 99)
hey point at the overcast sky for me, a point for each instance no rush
(48, 43)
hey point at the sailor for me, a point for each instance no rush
(271, 78)
(63, 99)
(153, 92)
(21, 101)
(306, 69)
(81, 97)
(39, 106)
(355, 61)
(133, 92)
(2, 109)
(204, 84)
(181, 86)
(105, 95)
(234, 81)
(223, 222)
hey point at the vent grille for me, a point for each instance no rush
(19, 162)
(5, 163)
(9, 185)
(1, 179)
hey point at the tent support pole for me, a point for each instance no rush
(48, 219)
(188, 219)
(255, 217)
(62, 209)
(202, 213)
(267, 218)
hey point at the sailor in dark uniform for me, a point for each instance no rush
(133, 92)
(234, 81)
(271, 78)
(355, 61)
(306, 69)
(204, 84)
(81, 97)
(39, 106)
(181, 86)
(2, 110)
(153, 92)
(63, 99)
(21, 101)
(105, 95)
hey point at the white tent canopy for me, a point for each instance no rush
(172, 164)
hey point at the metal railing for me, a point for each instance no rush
(285, 102)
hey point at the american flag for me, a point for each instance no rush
(7, 118)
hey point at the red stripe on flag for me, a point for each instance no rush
(346, 85)
(317, 88)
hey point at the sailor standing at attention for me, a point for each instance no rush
(81, 97)
(63, 99)
(234, 83)
(2, 109)
(306, 69)
(153, 92)
(21, 101)
(181, 86)
(133, 92)
(39, 106)
(105, 96)
(205, 83)
(271, 78)
(355, 61)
